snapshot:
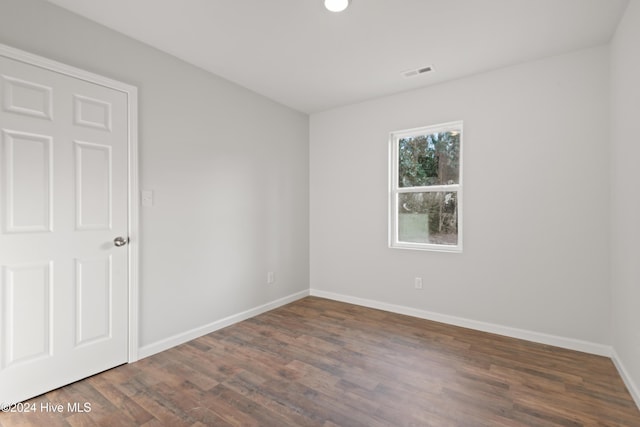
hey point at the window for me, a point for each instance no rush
(425, 197)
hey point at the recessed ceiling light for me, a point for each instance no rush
(336, 5)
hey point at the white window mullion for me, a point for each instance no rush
(429, 189)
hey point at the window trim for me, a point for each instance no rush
(395, 190)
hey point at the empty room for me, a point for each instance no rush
(319, 213)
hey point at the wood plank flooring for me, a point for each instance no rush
(317, 362)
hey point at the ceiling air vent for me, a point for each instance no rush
(416, 72)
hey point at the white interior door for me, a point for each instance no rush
(63, 200)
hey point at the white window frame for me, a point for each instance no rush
(395, 190)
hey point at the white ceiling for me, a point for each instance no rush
(301, 55)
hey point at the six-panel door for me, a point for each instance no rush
(63, 200)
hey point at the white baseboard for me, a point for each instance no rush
(631, 385)
(557, 341)
(181, 338)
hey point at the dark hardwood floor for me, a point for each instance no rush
(317, 362)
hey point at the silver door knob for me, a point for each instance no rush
(120, 241)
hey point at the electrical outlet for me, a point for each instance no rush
(271, 277)
(417, 282)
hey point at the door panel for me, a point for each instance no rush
(28, 181)
(29, 98)
(27, 290)
(93, 186)
(92, 112)
(63, 199)
(93, 297)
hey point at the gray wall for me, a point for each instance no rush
(625, 173)
(536, 199)
(229, 169)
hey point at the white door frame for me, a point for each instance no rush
(133, 188)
